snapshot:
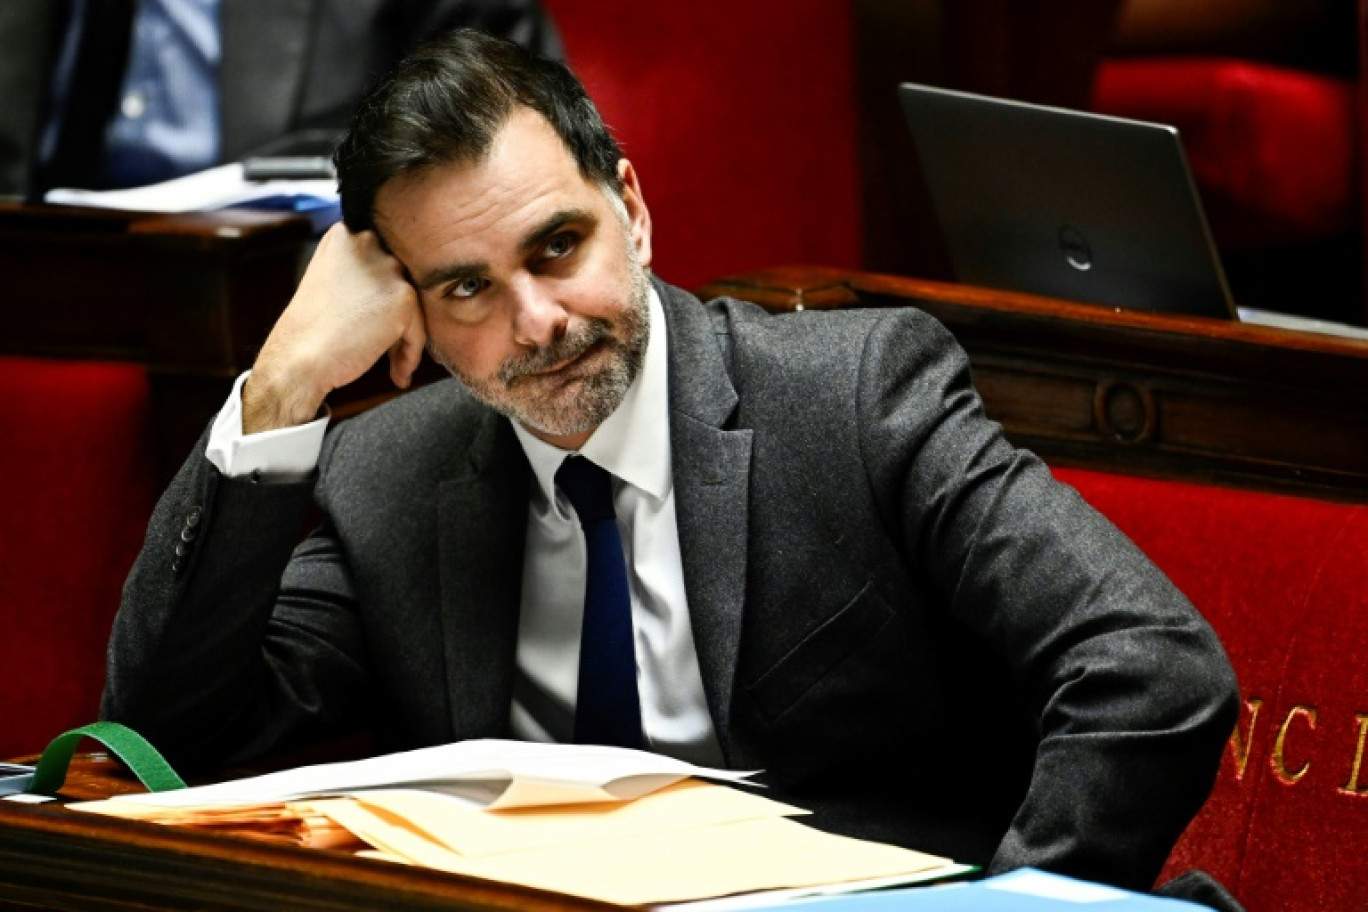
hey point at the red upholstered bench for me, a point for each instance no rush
(1277, 155)
(740, 120)
(1284, 580)
(1274, 150)
(75, 494)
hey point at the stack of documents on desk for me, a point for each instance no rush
(291, 822)
(223, 187)
(622, 826)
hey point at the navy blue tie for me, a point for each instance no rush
(607, 706)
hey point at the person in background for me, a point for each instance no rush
(101, 94)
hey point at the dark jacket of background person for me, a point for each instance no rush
(288, 66)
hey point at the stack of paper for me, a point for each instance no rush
(292, 823)
(622, 826)
(222, 187)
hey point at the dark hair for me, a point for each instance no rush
(445, 103)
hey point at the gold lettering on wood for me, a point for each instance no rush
(1352, 787)
(1278, 760)
(1240, 743)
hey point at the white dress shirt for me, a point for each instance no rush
(633, 445)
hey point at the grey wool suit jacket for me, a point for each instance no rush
(905, 621)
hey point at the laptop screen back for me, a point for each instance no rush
(1065, 203)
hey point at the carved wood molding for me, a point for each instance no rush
(1179, 397)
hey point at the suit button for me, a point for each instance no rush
(191, 527)
(182, 549)
(177, 565)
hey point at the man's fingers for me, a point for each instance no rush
(329, 237)
(406, 354)
(351, 307)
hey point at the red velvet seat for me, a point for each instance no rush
(1277, 157)
(1273, 150)
(740, 119)
(1284, 581)
(75, 494)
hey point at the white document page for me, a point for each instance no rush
(214, 188)
(490, 773)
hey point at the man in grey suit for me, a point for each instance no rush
(840, 572)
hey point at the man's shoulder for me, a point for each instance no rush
(440, 401)
(746, 317)
(820, 338)
(429, 423)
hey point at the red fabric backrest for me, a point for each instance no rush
(1284, 581)
(740, 120)
(75, 495)
(1274, 150)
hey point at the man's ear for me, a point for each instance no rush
(638, 216)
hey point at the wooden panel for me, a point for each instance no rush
(190, 296)
(181, 292)
(1178, 397)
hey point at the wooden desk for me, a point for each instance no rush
(52, 858)
(190, 296)
(1177, 397)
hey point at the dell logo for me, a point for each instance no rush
(1075, 248)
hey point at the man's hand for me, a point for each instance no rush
(352, 306)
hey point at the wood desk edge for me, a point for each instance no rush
(49, 853)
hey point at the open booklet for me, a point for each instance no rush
(612, 824)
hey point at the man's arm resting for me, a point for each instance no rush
(1132, 693)
(211, 657)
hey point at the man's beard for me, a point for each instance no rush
(517, 392)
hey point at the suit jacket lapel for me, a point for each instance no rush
(711, 473)
(483, 519)
(483, 514)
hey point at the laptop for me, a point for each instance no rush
(1067, 204)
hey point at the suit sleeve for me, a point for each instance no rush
(1131, 691)
(232, 639)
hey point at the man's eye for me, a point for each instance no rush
(559, 246)
(467, 288)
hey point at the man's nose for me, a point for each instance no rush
(538, 318)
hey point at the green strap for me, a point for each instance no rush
(132, 748)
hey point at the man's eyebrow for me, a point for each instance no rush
(455, 272)
(553, 223)
(531, 241)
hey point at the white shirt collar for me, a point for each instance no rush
(634, 442)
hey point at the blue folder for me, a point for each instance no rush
(15, 778)
(1026, 890)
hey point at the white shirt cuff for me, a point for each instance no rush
(284, 452)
